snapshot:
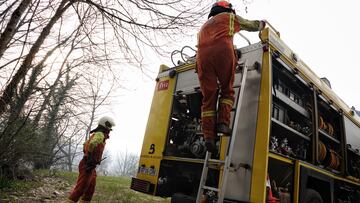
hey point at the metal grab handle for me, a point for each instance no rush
(267, 23)
(243, 36)
(272, 27)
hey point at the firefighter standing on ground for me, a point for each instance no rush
(93, 149)
(216, 61)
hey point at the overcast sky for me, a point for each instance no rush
(324, 34)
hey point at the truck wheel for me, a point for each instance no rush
(312, 196)
(181, 198)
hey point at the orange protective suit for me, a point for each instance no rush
(216, 62)
(85, 185)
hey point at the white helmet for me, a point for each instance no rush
(106, 122)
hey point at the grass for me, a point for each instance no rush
(15, 185)
(108, 189)
(8, 187)
(115, 189)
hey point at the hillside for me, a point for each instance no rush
(46, 187)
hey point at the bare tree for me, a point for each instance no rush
(55, 57)
(71, 146)
(11, 27)
(104, 167)
(9, 91)
(126, 164)
(130, 29)
(51, 135)
(92, 97)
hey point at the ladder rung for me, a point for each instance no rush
(211, 188)
(223, 135)
(216, 161)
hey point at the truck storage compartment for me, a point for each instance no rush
(280, 180)
(291, 124)
(182, 177)
(185, 138)
(330, 153)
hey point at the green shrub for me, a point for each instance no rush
(4, 183)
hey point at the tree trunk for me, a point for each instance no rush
(10, 89)
(51, 136)
(69, 161)
(10, 29)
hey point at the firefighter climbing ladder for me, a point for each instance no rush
(228, 166)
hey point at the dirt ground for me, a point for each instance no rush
(52, 189)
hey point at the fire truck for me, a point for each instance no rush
(293, 139)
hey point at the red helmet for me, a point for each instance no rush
(223, 4)
(220, 7)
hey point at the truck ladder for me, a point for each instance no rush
(229, 150)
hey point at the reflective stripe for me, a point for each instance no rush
(227, 101)
(231, 24)
(69, 201)
(208, 113)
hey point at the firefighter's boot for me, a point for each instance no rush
(210, 145)
(223, 129)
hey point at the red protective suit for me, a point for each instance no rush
(85, 185)
(216, 62)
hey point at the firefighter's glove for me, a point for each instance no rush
(90, 163)
(262, 25)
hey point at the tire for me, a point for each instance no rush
(312, 196)
(181, 198)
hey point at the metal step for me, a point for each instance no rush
(217, 161)
(211, 188)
